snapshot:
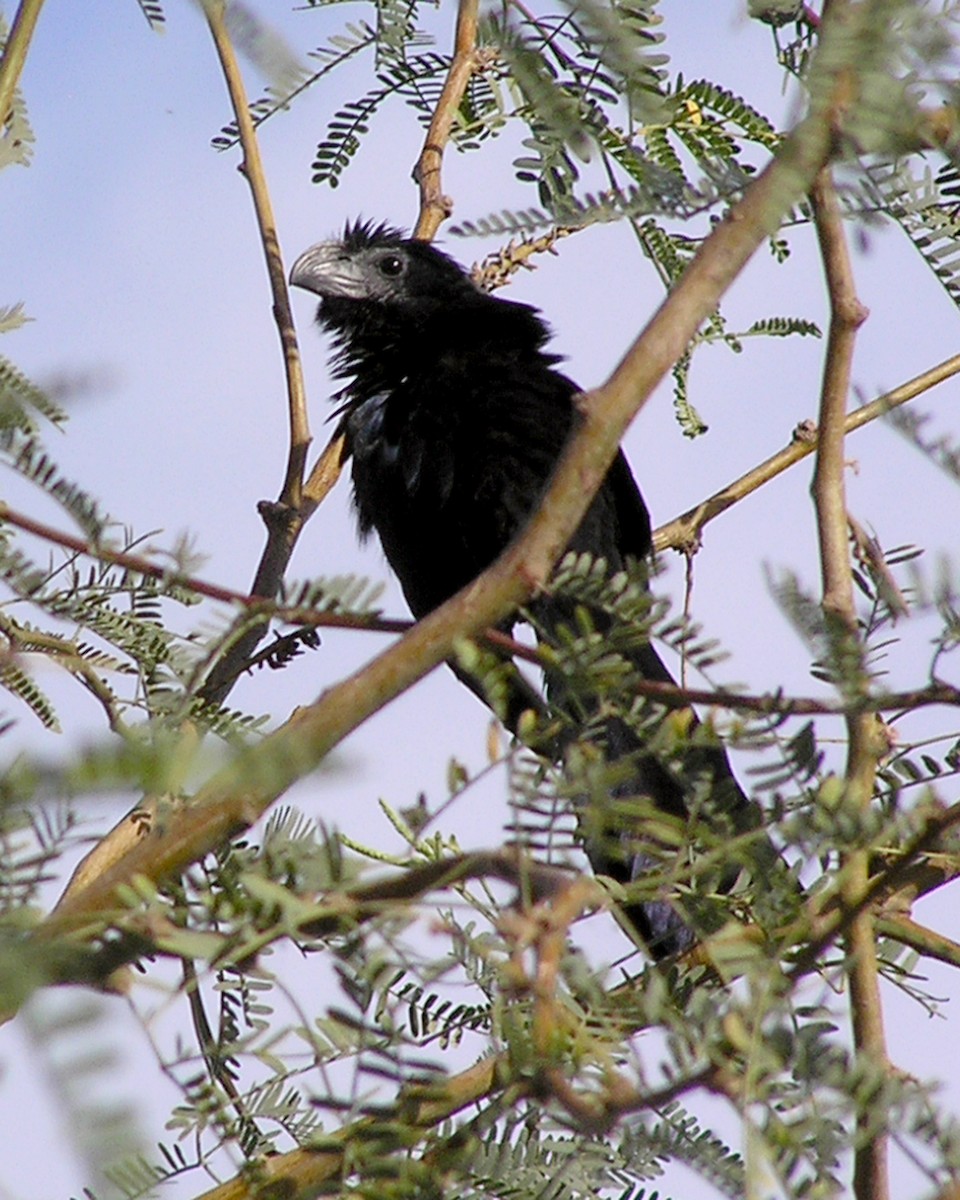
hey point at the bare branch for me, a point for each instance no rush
(284, 520)
(251, 168)
(683, 532)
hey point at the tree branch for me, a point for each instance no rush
(285, 518)
(870, 1176)
(251, 168)
(683, 532)
(435, 207)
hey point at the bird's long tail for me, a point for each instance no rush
(686, 791)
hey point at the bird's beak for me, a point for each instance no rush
(328, 270)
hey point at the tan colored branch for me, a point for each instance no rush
(251, 167)
(683, 532)
(323, 475)
(829, 492)
(284, 520)
(871, 1173)
(303, 1174)
(435, 207)
(924, 940)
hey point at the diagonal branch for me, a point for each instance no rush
(683, 532)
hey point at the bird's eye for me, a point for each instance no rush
(391, 264)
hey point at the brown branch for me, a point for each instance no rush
(925, 941)
(435, 207)
(15, 55)
(847, 314)
(122, 558)
(908, 871)
(683, 532)
(775, 705)
(303, 1174)
(285, 518)
(323, 475)
(251, 168)
(871, 1173)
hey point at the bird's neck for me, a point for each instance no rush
(383, 351)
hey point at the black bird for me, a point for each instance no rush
(454, 417)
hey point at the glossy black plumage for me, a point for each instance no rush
(455, 416)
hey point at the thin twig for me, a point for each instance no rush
(774, 704)
(683, 532)
(137, 563)
(870, 1175)
(251, 168)
(435, 207)
(285, 518)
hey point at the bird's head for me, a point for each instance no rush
(373, 274)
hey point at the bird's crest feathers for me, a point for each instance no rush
(361, 234)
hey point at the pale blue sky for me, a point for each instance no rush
(132, 244)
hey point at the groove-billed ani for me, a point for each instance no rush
(454, 417)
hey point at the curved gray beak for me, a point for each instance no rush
(328, 270)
